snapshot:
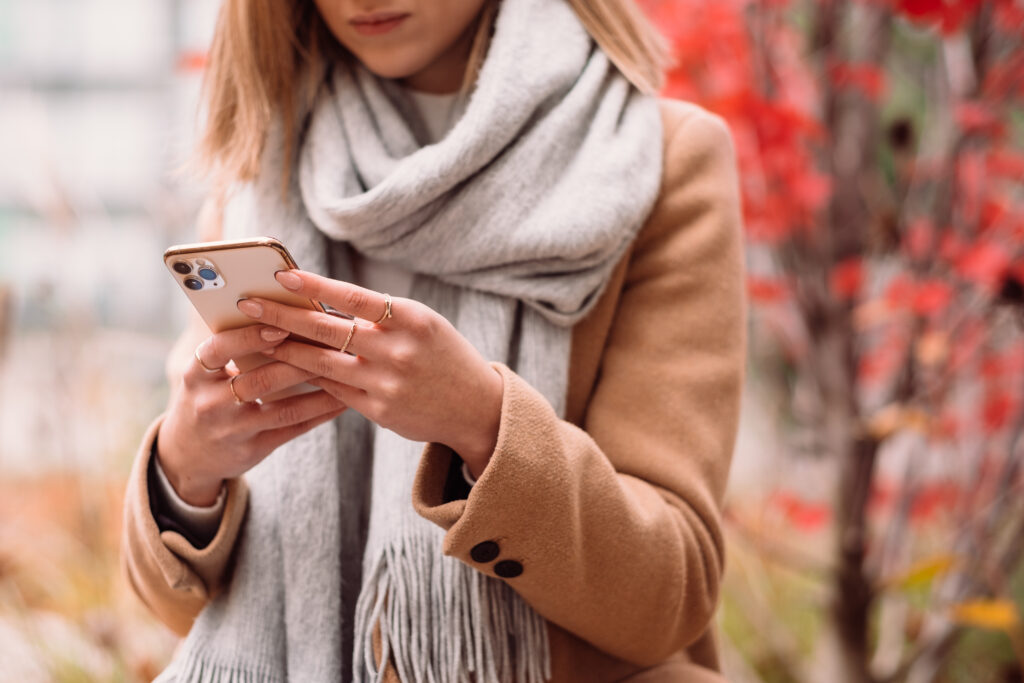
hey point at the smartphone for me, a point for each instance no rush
(215, 275)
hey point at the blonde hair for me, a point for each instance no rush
(267, 55)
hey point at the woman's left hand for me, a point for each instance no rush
(412, 373)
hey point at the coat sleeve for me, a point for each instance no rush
(612, 530)
(171, 576)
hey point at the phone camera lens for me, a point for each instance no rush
(193, 283)
(208, 273)
(182, 268)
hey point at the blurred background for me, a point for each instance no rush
(98, 106)
(875, 516)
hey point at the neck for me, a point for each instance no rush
(446, 73)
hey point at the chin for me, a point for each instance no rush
(393, 63)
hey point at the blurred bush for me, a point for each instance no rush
(881, 145)
(65, 614)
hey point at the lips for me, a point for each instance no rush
(378, 22)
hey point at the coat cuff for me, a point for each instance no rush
(197, 524)
(526, 418)
(172, 553)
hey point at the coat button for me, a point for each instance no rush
(484, 552)
(508, 569)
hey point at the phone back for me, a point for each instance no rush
(220, 273)
(215, 275)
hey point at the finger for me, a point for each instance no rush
(291, 411)
(271, 439)
(220, 348)
(342, 296)
(330, 330)
(329, 363)
(267, 379)
(197, 358)
(354, 397)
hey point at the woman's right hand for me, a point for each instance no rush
(207, 437)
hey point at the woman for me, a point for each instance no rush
(539, 267)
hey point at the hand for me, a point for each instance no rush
(413, 373)
(206, 437)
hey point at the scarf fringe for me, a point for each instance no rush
(453, 621)
(196, 668)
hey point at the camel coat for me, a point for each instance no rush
(608, 522)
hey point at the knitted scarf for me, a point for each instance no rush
(511, 224)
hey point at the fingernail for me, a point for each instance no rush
(253, 309)
(273, 334)
(288, 280)
(269, 352)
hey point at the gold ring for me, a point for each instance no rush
(351, 331)
(203, 365)
(231, 386)
(387, 310)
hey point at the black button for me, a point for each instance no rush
(508, 569)
(484, 552)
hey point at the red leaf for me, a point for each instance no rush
(931, 297)
(993, 211)
(872, 366)
(1005, 76)
(767, 290)
(949, 15)
(812, 189)
(918, 239)
(992, 365)
(984, 264)
(956, 15)
(803, 514)
(932, 498)
(867, 78)
(1006, 164)
(997, 410)
(950, 246)
(921, 8)
(900, 292)
(977, 117)
(847, 278)
(1009, 18)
